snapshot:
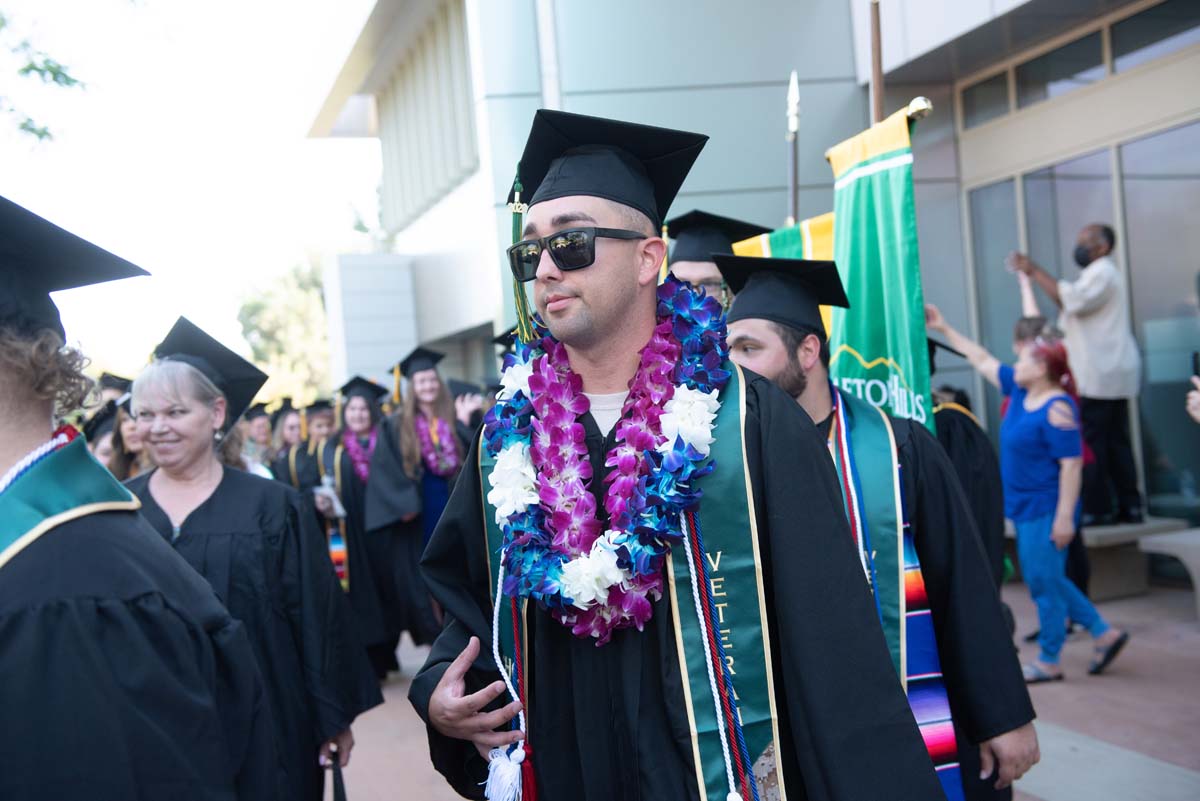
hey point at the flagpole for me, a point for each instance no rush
(876, 66)
(793, 140)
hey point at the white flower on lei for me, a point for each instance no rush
(514, 482)
(690, 414)
(586, 579)
(515, 378)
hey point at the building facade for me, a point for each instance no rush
(1048, 114)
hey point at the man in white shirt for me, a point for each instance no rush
(1107, 367)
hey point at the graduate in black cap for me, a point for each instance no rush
(285, 429)
(123, 676)
(696, 236)
(912, 527)
(629, 711)
(257, 543)
(255, 425)
(113, 386)
(98, 431)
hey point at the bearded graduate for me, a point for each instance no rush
(257, 543)
(122, 674)
(915, 535)
(654, 537)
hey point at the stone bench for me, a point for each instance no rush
(1118, 566)
(1184, 546)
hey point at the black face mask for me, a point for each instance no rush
(1083, 256)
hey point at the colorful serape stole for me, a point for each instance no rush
(337, 553)
(875, 505)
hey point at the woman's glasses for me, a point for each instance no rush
(571, 249)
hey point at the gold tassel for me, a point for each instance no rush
(396, 385)
(303, 425)
(664, 271)
(520, 299)
(337, 410)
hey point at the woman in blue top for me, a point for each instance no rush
(1041, 464)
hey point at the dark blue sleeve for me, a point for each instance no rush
(1005, 373)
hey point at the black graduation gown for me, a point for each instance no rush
(123, 677)
(255, 542)
(610, 722)
(978, 470)
(391, 496)
(983, 677)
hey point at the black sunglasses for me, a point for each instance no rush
(571, 249)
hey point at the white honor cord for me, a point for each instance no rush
(37, 453)
(712, 679)
(496, 642)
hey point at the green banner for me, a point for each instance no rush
(878, 345)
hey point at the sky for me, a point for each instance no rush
(186, 153)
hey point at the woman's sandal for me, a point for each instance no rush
(1035, 675)
(1105, 655)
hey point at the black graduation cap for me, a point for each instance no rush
(420, 359)
(284, 407)
(37, 258)
(256, 411)
(506, 338)
(697, 235)
(637, 165)
(318, 406)
(460, 388)
(362, 387)
(101, 422)
(787, 291)
(238, 379)
(125, 403)
(934, 346)
(111, 381)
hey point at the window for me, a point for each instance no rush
(993, 210)
(1161, 182)
(985, 100)
(1060, 71)
(426, 122)
(1155, 32)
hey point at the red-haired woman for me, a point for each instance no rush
(1041, 463)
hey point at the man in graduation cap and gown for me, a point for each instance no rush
(734, 655)
(911, 525)
(255, 542)
(121, 674)
(696, 237)
(113, 386)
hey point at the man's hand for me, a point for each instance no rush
(1010, 755)
(934, 320)
(1062, 532)
(1193, 400)
(1019, 263)
(341, 746)
(457, 715)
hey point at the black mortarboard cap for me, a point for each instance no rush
(37, 258)
(125, 403)
(119, 383)
(640, 166)
(460, 388)
(934, 346)
(506, 338)
(787, 291)
(238, 379)
(697, 235)
(420, 359)
(101, 422)
(318, 406)
(256, 411)
(362, 387)
(284, 407)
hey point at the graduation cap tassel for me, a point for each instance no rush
(303, 424)
(524, 316)
(337, 410)
(664, 270)
(396, 385)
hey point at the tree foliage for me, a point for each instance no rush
(285, 326)
(33, 64)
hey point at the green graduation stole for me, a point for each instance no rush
(66, 485)
(736, 638)
(874, 503)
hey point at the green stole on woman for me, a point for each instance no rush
(735, 580)
(66, 485)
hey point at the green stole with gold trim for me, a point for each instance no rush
(735, 565)
(63, 486)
